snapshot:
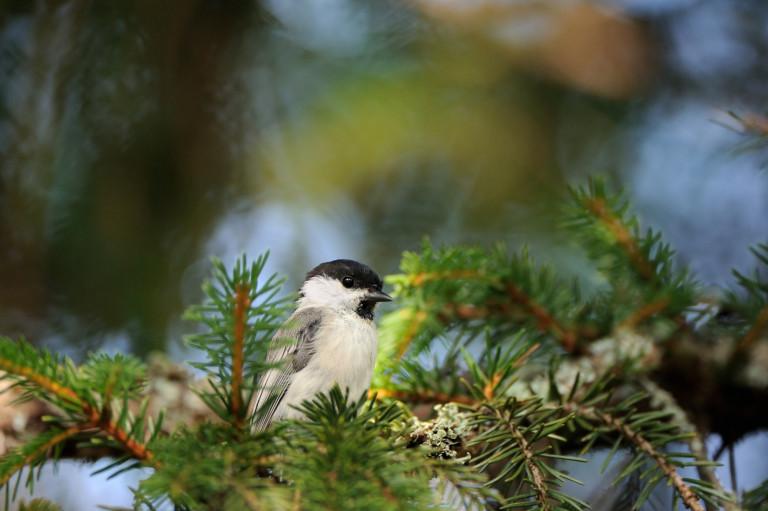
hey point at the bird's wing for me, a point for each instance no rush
(301, 328)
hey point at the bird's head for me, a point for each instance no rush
(344, 285)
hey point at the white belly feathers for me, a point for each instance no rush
(347, 357)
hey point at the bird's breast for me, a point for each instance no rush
(345, 353)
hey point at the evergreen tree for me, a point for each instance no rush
(521, 372)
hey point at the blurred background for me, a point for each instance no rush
(137, 138)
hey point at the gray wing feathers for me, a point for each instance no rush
(301, 327)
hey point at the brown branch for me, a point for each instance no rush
(242, 303)
(462, 311)
(490, 388)
(422, 397)
(136, 449)
(707, 473)
(545, 322)
(751, 123)
(95, 416)
(297, 500)
(689, 498)
(55, 440)
(621, 234)
(537, 477)
(422, 278)
(646, 311)
(64, 393)
(664, 400)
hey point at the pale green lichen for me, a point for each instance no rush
(441, 435)
(626, 347)
(634, 351)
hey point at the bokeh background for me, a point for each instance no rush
(138, 137)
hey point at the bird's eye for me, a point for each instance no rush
(348, 282)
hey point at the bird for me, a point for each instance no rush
(329, 338)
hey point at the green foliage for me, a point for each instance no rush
(544, 369)
(637, 267)
(38, 505)
(647, 434)
(751, 302)
(757, 498)
(493, 371)
(241, 316)
(345, 457)
(48, 368)
(213, 466)
(122, 374)
(93, 402)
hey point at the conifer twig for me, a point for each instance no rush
(424, 396)
(96, 417)
(54, 440)
(242, 302)
(537, 478)
(689, 498)
(136, 449)
(545, 322)
(65, 394)
(746, 342)
(598, 207)
(422, 278)
(646, 311)
(417, 320)
(666, 401)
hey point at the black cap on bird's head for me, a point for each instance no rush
(353, 275)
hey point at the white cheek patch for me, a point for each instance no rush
(328, 292)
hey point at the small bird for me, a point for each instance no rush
(334, 336)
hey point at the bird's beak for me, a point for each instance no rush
(377, 296)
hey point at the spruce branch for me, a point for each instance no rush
(756, 499)
(35, 453)
(242, 302)
(437, 382)
(39, 372)
(663, 400)
(619, 230)
(690, 499)
(647, 433)
(519, 434)
(535, 476)
(638, 267)
(241, 315)
(751, 305)
(544, 320)
(517, 437)
(424, 396)
(361, 461)
(85, 396)
(443, 288)
(214, 466)
(644, 313)
(415, 319)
